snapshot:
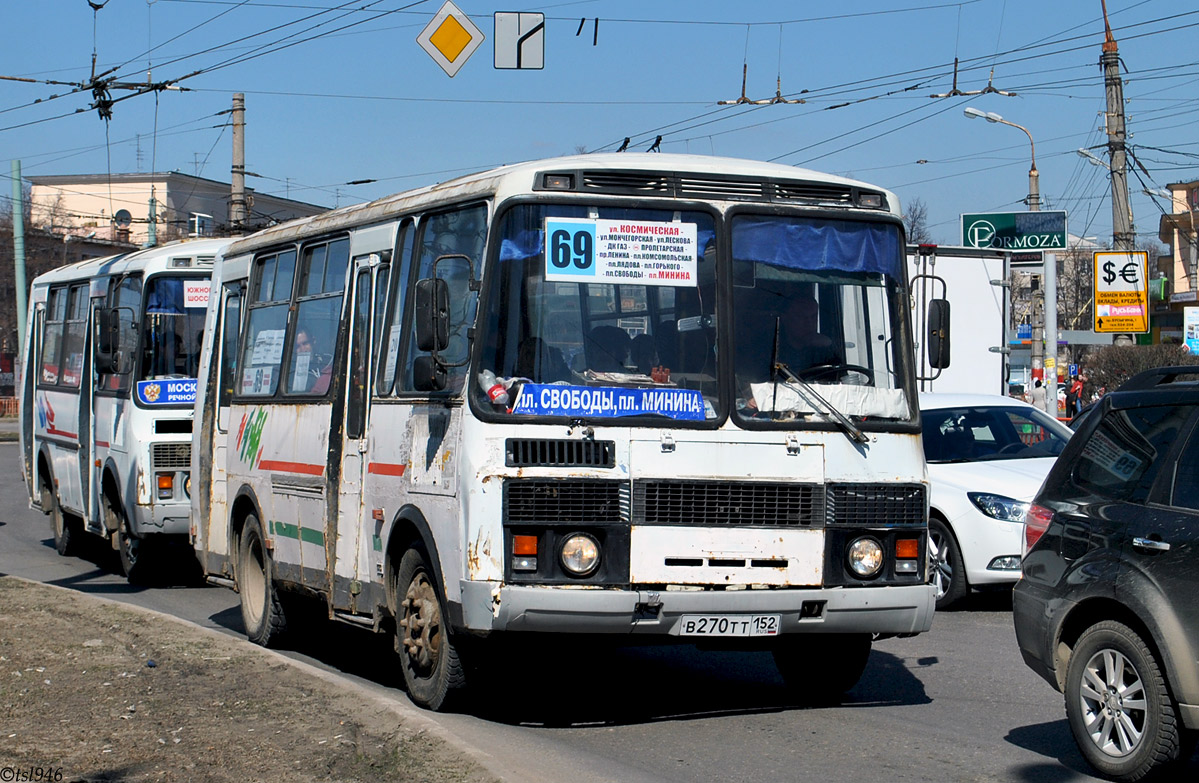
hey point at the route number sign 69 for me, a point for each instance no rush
(570, 247)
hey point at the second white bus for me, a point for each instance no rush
(107, 393)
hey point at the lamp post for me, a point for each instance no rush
(1034, 178)
(1044, 318)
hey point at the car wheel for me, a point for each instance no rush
(948, 573)
(1119, 708)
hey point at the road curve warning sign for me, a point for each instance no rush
(1121, 292)
(450, 38)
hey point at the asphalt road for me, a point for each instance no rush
(955, 704)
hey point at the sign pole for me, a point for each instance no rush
(1051, 331)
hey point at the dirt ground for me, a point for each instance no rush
(95, 691)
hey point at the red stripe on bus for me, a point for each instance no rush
(385, 469)
(51, 430)
(292, 467)
(102, 444)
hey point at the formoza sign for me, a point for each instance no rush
(1015, 230)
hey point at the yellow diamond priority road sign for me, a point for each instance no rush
(451, 38)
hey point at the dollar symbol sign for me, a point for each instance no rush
(1109, 271)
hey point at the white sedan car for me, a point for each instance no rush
(987, 457)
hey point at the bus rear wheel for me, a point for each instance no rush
(66, 532)
(432, 667)
(261, 610)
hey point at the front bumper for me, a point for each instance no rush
(490, 606)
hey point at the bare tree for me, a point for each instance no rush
(915, 221)
(1112, 365)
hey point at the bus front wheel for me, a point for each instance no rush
(820, 668)
(261, 610)
(431, 664)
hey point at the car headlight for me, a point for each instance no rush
(999, 507)
(580, 554)
(865, 557)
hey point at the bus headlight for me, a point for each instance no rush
(580, 554)
(865, 557)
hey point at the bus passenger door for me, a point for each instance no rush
(225, 342)
(347, 562)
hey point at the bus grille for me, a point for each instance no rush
(876, 505)
(171, 456)
(724, 503)
(545, 452)
(563, 500)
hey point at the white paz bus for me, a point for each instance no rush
(652, 397)
(107, 393)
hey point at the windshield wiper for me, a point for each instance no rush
(805, 390)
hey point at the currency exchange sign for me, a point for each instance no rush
(1015, 230)
(1121, 292)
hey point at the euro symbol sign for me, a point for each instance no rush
(1129, 272)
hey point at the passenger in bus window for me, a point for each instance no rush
(310, 373)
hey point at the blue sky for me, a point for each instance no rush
(351, 96)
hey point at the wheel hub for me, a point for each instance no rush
(421, 622)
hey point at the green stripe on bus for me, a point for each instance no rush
(303, 534)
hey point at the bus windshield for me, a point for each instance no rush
(173, 327)
(598, 349)
(815, 307)
(817, 318)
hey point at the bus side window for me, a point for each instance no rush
(56, 316)
(359, 352)
(266, 327)
(391, 338)
(231, 324)
(125, 295)
(73, 337)
(464, 232)
(318, 316)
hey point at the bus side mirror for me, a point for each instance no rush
(110, 358)
(938, 333)
(432, 314)
(428, 375)
(108, 324)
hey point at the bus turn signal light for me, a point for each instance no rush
(525, 546)
(907, 549)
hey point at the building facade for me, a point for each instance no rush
(118, 206)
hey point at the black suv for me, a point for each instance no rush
(1107, 610)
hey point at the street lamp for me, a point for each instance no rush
(1034, 188)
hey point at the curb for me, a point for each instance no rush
(410, 715)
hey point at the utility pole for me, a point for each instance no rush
(18, 249)
(1123, 238)
(237, 201)
(1122, 235)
